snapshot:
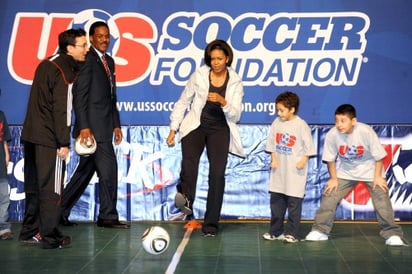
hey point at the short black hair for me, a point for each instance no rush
(68, 37)
(218, 44)
(346, 109)
(96, 25)
(289, 100)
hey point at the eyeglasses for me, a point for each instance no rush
(81, 46)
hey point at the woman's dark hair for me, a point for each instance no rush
(68, 37)
(218, 44)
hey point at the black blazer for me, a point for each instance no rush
(94, 98)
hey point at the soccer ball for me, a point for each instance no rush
(86, 150)
(155, 240)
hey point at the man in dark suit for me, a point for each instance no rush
(97, 118)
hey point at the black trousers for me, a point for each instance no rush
(216, 140)
(278, 204)
(43, 183)
(104, 162)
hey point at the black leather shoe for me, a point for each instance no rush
(62, 242)
(112, 224)
(64, 221)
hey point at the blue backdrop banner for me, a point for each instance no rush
(329, 52)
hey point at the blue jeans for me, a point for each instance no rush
(383, 207)
(4, 206)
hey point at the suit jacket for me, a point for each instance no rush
(94, 98)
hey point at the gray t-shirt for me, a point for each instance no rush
(290, 140)
(356, 153)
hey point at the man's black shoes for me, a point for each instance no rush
(112, 224)
(62, 242)
(64, 221)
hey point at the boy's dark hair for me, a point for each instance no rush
(218, 44)
(289, 100)
(346, 109)
(96, 25)
(68, 37)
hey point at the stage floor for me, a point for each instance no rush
(238, 248)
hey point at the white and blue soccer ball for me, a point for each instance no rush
(155, 240)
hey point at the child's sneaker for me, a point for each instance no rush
(290, 239)
(183, 203)
(270, 237)
(316, 236)
(394, 241)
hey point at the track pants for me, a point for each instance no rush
(43, 181)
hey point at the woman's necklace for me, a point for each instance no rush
(218, 80)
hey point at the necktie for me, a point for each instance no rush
(106, 66)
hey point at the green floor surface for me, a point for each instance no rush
(238, 248)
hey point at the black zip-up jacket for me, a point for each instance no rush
(46, 121)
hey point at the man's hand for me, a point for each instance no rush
(118, 136)
(63, 153)
(86, 137)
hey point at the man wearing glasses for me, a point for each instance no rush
(46, 139)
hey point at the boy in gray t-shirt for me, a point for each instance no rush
(290, 145)
(360, 155)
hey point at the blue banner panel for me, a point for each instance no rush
(328, 52)
(149, 171)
